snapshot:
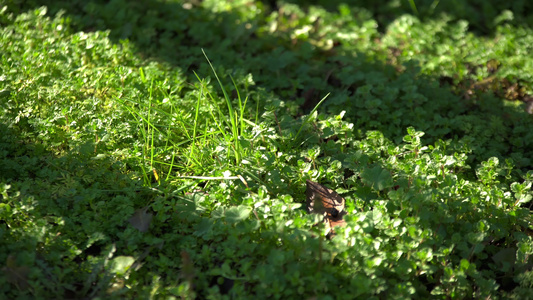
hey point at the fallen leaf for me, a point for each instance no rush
(187, 266)
(141, 220)
(15, 274)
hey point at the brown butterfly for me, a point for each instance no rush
(325, 201)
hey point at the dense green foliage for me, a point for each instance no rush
(154, 149)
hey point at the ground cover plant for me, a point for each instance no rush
(154, 149)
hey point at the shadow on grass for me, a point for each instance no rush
(174, 35)
(62, 219)
(375, 95)
(479, 14)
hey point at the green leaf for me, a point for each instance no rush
(465, 264)
(237, 214)
(377, 177)
(505, 258)
(121, 264)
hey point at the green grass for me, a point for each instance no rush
(156, 149)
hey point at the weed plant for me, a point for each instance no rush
(154, 149)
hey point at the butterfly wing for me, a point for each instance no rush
(323, 200)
